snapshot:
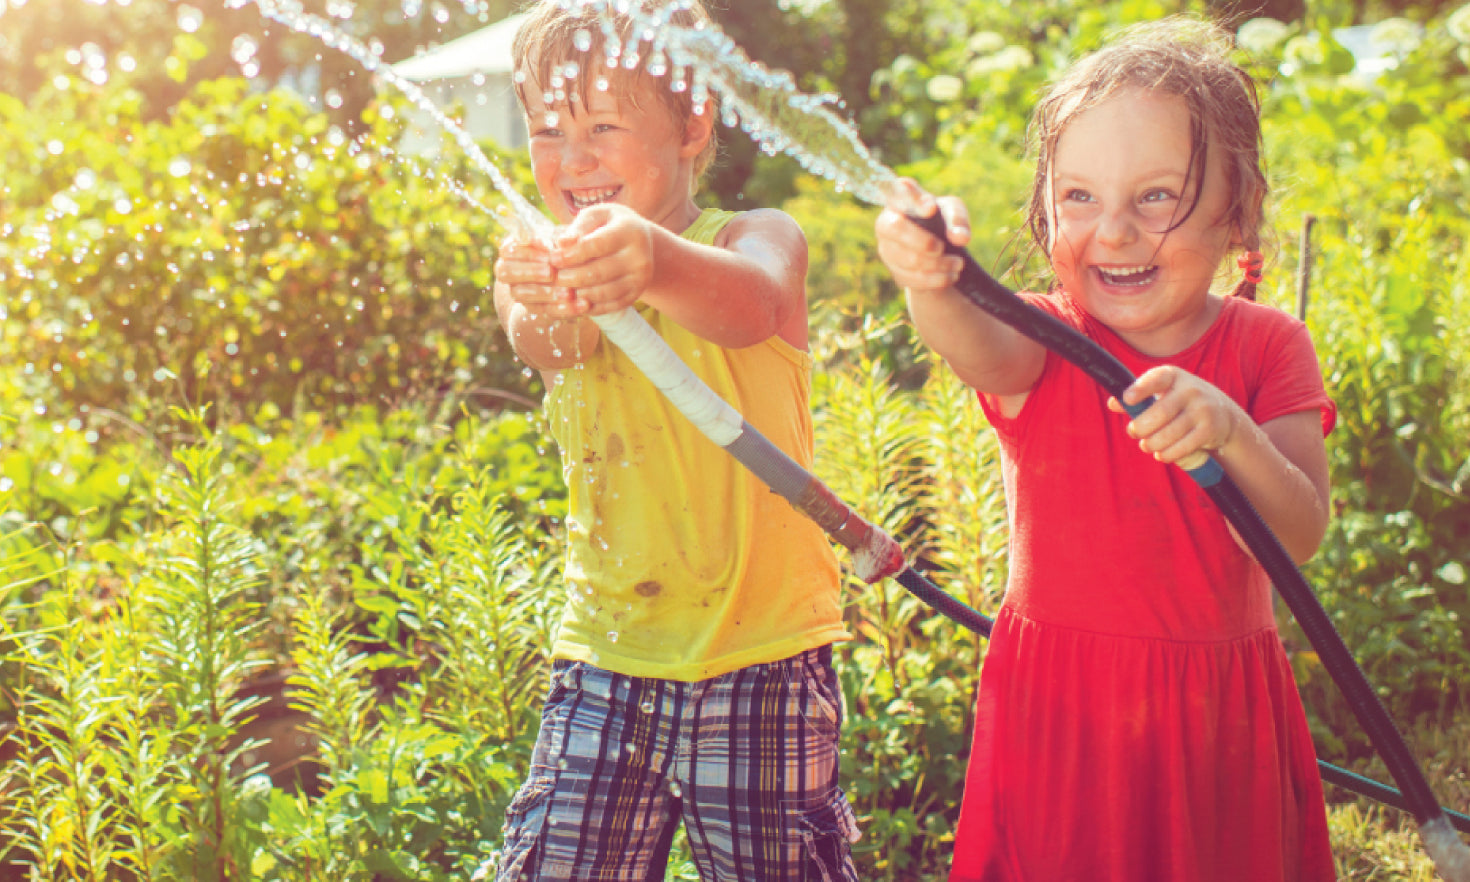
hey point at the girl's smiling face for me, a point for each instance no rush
(1135, 240)
(605, 148)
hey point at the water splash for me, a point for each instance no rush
(521, 219)
(765, 104)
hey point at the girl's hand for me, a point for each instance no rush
(913, 255)
(605, 256)
(525, 271)
(1188, 415)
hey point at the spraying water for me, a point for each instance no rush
(521, 217)
(765, 104)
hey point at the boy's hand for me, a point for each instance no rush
(525, 271)
(1188, 414)
(606, 257)
(913, 255)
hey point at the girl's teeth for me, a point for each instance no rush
(1132, 275)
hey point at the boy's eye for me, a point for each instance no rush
(604, 127)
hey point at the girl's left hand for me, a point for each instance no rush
(1188, 414)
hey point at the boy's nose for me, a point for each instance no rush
(577, 156)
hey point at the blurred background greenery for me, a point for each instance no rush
(279, 523)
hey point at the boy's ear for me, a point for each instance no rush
(698, 129)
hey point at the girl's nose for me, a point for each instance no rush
(1117, 226)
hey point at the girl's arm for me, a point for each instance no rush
(983, 351)
(749, 286)
(1279, 466)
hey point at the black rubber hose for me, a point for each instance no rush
(994, 298)
(953, 609)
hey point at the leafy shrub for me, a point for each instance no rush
(130, 667)
(240, 253)
(1385, 182)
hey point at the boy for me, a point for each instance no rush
(692, 675)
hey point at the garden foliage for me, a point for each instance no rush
(280, 527)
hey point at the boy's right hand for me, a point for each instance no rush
(525, 271)
(606, 255)
(912, 254)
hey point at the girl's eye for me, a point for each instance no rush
(1076, 196)
(604, 127)
(1159, 195)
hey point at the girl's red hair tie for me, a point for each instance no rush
(1252, 262)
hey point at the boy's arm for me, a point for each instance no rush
(983, 351)
(749, 286)
(538, 318)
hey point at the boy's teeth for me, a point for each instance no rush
(586, 198)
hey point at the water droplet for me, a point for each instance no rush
(612, 636)
(646, 706)
(189, 19)
(243, 48)
(582, 39)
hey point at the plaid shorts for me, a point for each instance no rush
(747, 760)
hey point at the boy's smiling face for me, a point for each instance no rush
(601, 147)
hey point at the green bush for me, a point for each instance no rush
(242, 252)
(362, 520)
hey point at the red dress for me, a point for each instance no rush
(1137, 719)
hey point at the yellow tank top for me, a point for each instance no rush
(682, 565)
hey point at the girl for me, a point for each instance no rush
(1137, 717)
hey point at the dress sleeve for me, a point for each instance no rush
(1007, 428)
(1291, 377)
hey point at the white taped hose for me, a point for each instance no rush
(1450, 855)
(709, 413)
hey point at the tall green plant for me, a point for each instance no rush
(907, 689)
(203, 644)
(67, 814)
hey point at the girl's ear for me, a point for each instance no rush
(698, 129)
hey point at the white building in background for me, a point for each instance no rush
(470, 78)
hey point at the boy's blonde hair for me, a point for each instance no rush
(1176, 56)
(553, 36)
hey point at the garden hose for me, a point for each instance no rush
(1450, 855)
(875, 554)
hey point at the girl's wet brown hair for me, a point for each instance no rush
(547, 41)
(1175, 56)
